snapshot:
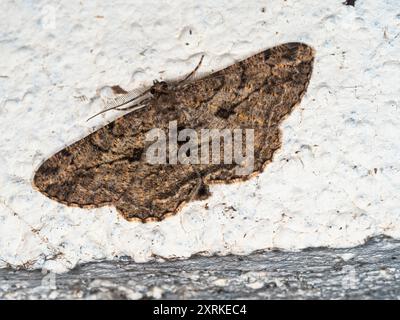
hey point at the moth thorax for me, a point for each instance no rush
(159, 88)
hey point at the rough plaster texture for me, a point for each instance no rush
(334, 183)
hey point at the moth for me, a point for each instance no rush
(109, 166)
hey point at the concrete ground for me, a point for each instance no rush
(369, 271)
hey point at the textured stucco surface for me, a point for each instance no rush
(334, 183)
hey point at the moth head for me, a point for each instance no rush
(159, 88)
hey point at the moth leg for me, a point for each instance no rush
(193, 72)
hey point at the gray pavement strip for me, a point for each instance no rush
(368, 271)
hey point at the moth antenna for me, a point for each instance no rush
(194, 71)
(135, 106)
(125, 99)
(122, 98)
(122, 104)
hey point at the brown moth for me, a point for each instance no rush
(109, 166)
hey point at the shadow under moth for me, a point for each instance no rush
(109, 167)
